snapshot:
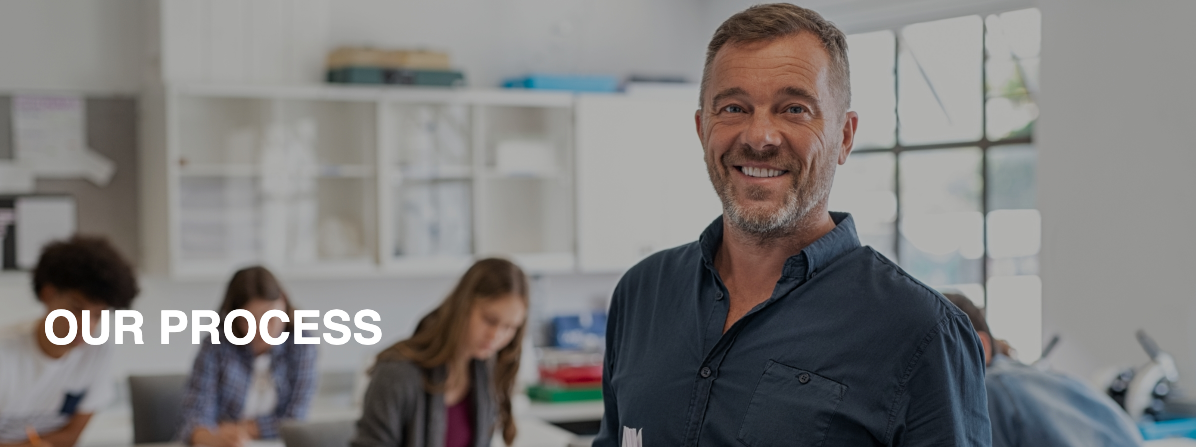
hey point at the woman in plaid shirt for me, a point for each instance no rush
(238, 393)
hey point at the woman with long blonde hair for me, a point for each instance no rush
(450, 384)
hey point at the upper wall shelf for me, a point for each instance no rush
(367, 93)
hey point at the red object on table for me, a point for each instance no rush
(572, 375)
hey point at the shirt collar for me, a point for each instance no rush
(822, 252)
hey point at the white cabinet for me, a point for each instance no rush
(641, 179)
(341, 181)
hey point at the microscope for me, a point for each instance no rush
(1144, 391)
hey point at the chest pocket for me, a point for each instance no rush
(70, 403)
(791, 407)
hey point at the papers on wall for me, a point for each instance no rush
(40, 220)
(49, 139)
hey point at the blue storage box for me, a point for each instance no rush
(1176, 428)
(580, 331)
(576, 83)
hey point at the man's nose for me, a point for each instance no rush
(762, 132)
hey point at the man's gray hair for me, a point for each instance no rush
(772, 21)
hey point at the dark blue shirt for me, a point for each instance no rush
(848, 351)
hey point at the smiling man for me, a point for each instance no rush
(776, 328)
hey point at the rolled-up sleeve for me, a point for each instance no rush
(943, 402)
(199, 400)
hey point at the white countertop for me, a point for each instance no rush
(114, 427)
(1176, 442)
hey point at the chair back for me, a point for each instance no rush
(317, 434)
(157, 406)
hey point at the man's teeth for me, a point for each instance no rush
(761, 172)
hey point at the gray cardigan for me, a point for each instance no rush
(399, 412)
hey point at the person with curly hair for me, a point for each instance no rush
(54, 389)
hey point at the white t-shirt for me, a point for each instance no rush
(43, 392)
(263, 397)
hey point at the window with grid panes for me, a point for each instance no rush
(942, 177)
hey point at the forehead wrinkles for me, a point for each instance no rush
(766, 61)
(807, 73)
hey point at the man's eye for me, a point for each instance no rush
(733, 109)
(796, 109)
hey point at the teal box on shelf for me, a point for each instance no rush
(441, 78)
(357, 75)
(576, 83)
(395, 76)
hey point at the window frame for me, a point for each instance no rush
(984, 143)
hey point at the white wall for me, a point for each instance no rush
(100, 46)
(495, 39)
(1116, 182)
(857, 16)
(92, 46)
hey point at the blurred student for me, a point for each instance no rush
(54, 389)
(1030, 407)
(240, 393)
(451, 382)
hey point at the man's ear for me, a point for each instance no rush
(987, 341)
(850, 121)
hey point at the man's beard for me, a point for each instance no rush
(801, 198)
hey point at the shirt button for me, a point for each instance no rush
(705, 372)
(803, 378)
(719, 296)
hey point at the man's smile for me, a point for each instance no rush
(760, 171)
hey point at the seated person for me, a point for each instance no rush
(239, 393)
(450, 384)
(51, 389)
(1030, 407)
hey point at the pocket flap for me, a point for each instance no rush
(790, 407)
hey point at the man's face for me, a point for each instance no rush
(773, 132)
